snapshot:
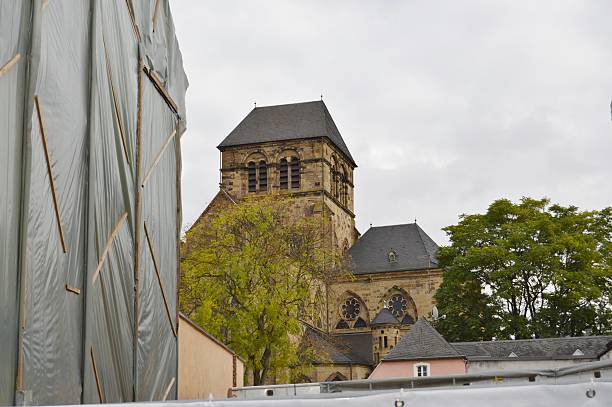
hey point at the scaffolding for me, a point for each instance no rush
(91, 114)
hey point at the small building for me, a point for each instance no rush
(525, 354)
(424, 352)
(206, 365)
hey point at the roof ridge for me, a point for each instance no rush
(438, 334)
(391, 226)
(424, 245)
(536, 339)
(290, 104)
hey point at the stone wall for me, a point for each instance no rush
(374, 289)
(325, 372)
(317, 193)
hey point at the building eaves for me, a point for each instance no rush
(295, 121)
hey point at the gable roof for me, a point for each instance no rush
(385, 317)
(294, 121)
(422, 341)
(414, 250)
(591, 347)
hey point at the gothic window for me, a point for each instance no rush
(398, 305)
(351, 308)
(334, 178)
(344, 186)
(360, 323)
(263, 175)
(407, 320)
(252, 177)
(295, 172)
(284, 174)
(392, 256)
(336, 377)
(342, 325)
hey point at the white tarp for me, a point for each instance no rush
(91, 112)
(565, 395)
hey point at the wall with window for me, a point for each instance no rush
(271, 167)
(325, 372)
(410, 368)
(408, 294)
(299, 167)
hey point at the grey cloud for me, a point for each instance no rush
(445, 105)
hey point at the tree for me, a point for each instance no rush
(526, 270)
(250, 274)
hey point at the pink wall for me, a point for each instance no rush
(405, 368)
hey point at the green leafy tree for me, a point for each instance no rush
(527, 269)
(250, 275)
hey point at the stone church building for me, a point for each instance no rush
(297, 149)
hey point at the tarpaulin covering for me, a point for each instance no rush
(595, 394)
(91, 113)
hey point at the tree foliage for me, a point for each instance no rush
(526, 270)
(249, 276)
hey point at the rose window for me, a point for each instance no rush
(397, 304)
(351, 308)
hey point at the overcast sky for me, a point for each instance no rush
(445, 105)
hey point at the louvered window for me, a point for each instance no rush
(284, 174)
(263, 176)
(252, 178)
(295, 173)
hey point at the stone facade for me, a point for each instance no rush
(337, 372)
(260, 156)
(373, 290)
(325, 180)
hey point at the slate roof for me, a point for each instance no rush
(384, 317)
(413, 248)
(535, 349)
(341, 349)
(422, 341)
(360, 345)
(287, 122)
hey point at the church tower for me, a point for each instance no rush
(294, 149)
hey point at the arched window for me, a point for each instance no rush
(344, 184)
(336, 377)
(334, 178)
(407, 320)
(336, 182)
(342, 325)
(263, 176)
(398, 305)
(360, 323)
(257, 176)
(351, 308)
(284, 174)
(252, 170)
(295, 173)
(392, 256)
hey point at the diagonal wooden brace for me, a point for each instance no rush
(161, 285)
(157, 158)
(109, 73)
(50, 174)
(6, 67)
(97, 376)
(107, 246)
